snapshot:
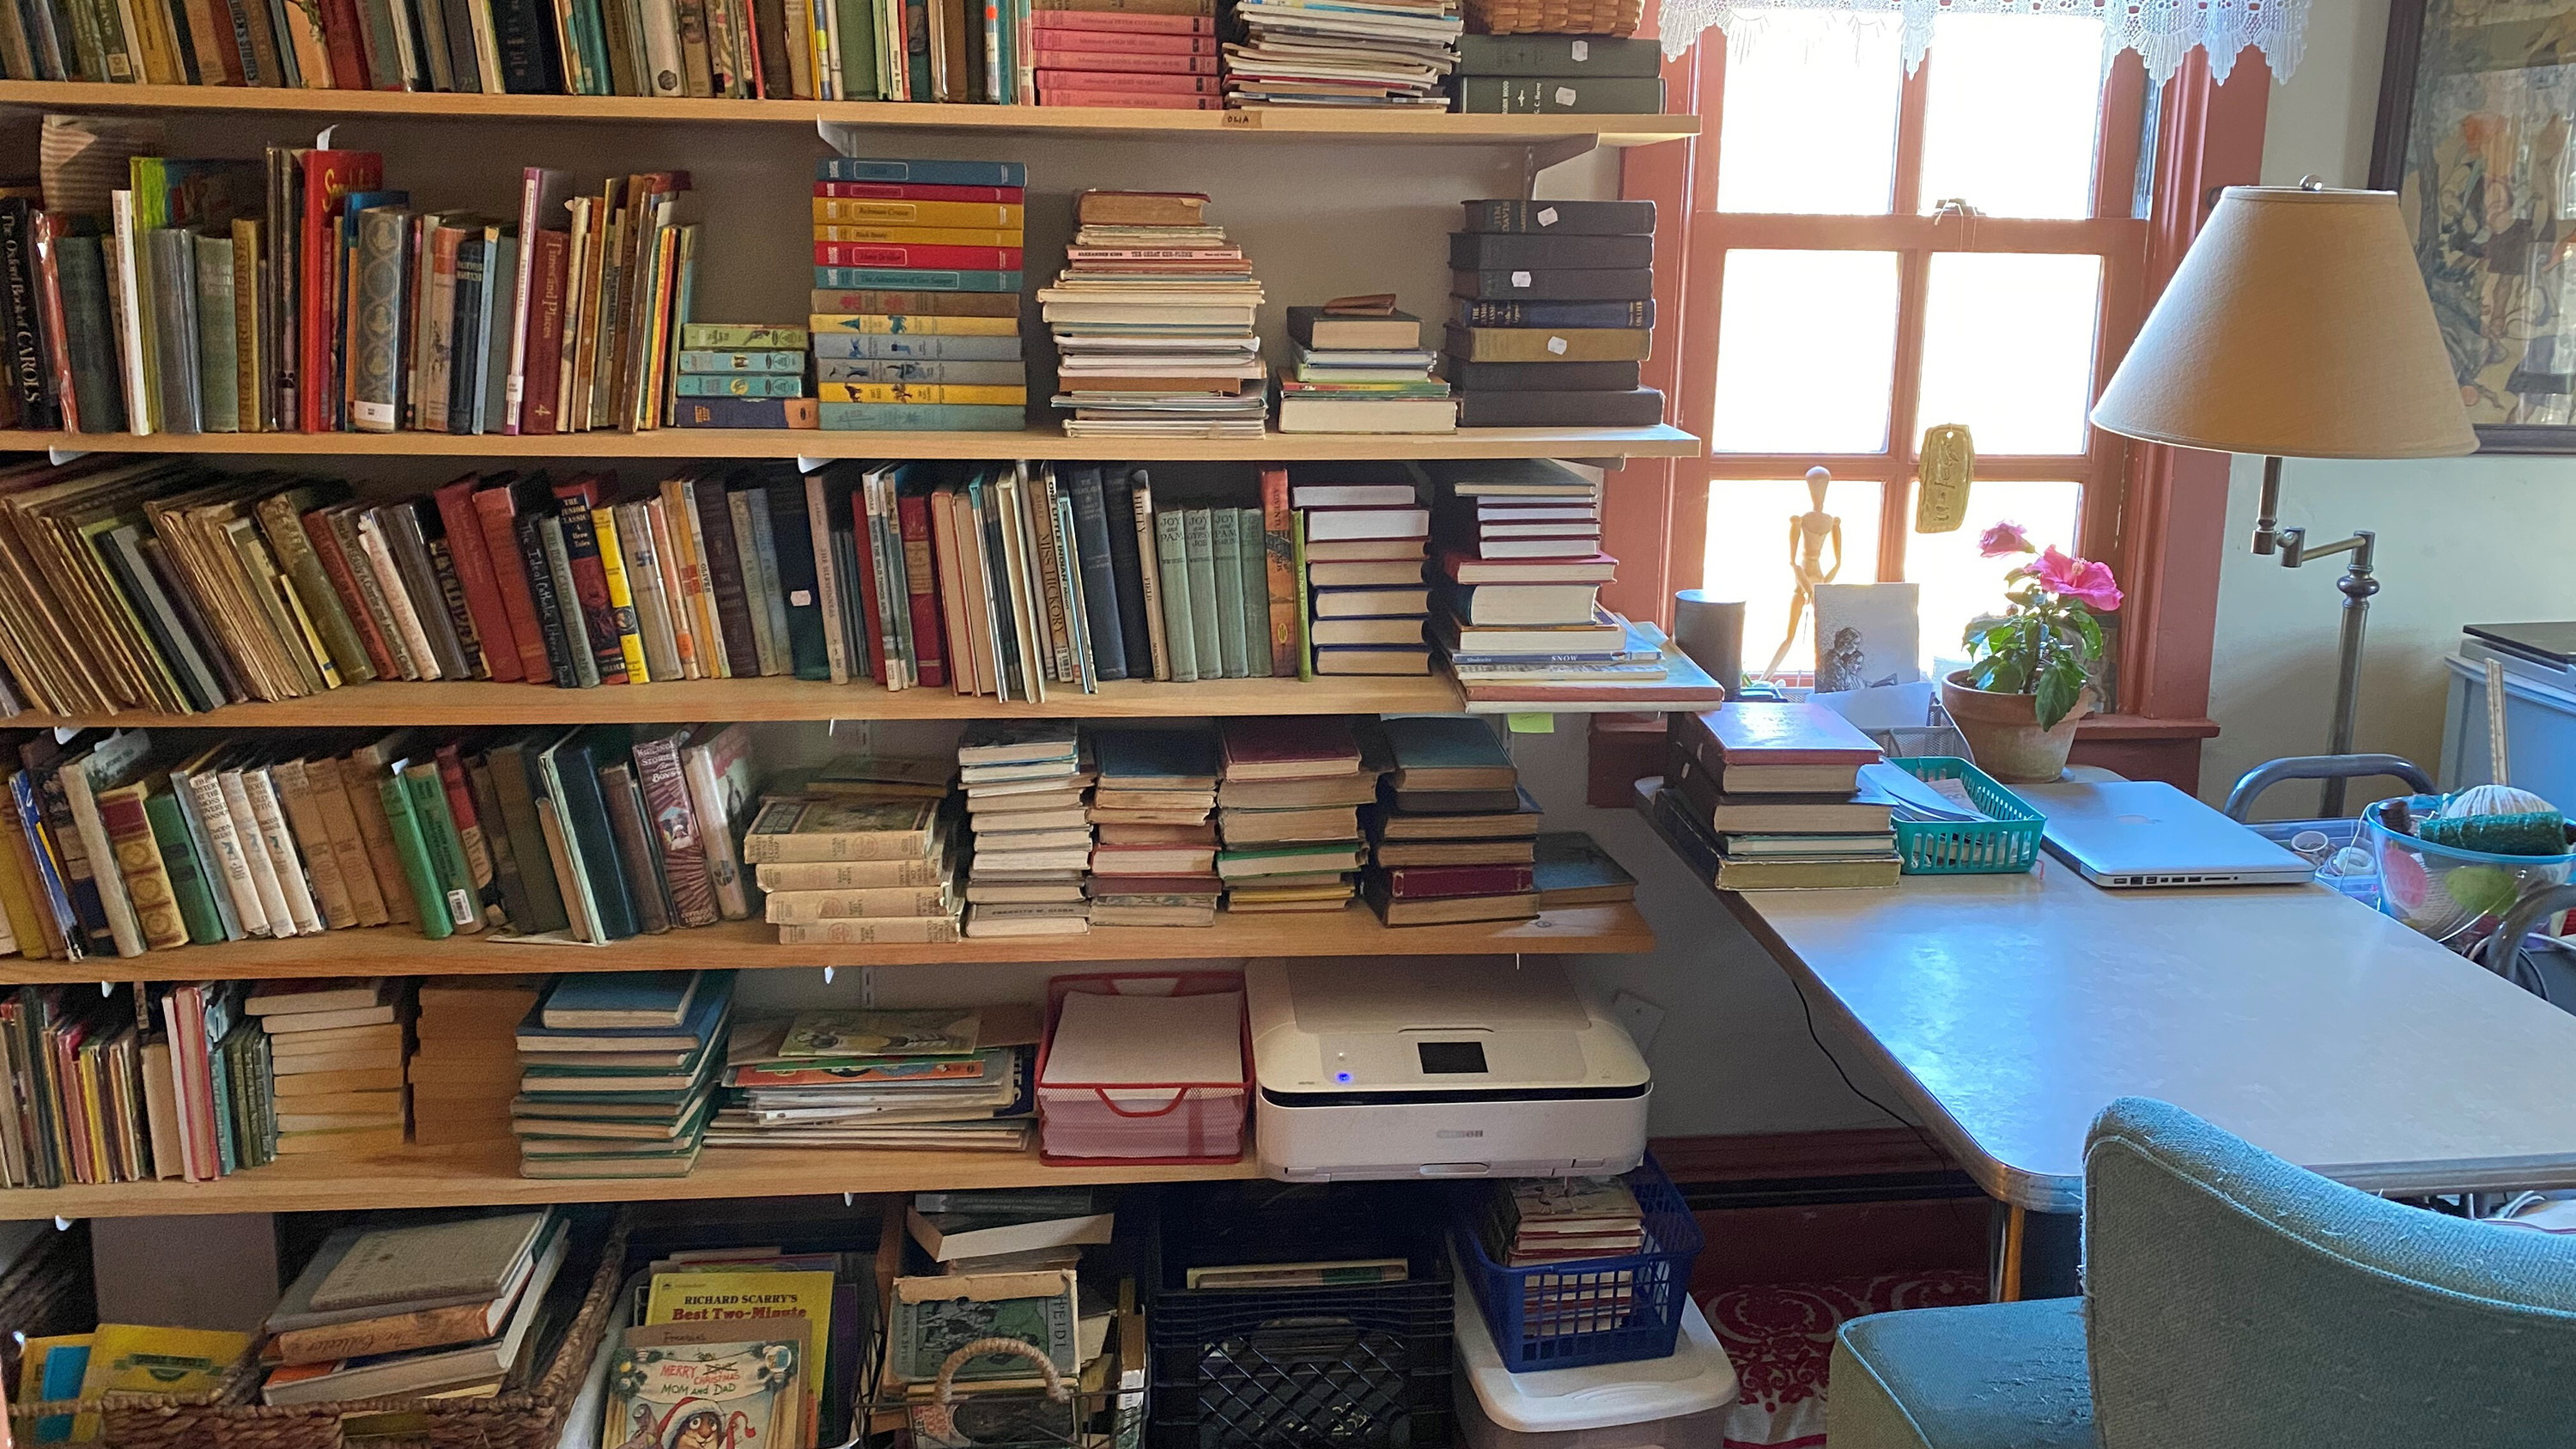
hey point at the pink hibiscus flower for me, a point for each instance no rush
(2082, 580)
(2002, 539)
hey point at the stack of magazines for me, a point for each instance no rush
(1348, 53)
(944, 1077)
(1153, 322)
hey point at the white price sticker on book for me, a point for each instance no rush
(1556, 345)
(1582, 50)
(1565, 95)
(1547, 216)
(1520, 279)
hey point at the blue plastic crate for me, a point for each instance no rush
(1597, 1310)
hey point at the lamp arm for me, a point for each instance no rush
(2294, 550)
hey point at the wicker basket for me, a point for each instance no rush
(231, 1417)
(1555, 17)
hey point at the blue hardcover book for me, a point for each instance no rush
(916, 346)
(708, 1009)
(922, 173)
(743, 412)
(1155, 759)
(924, 418)
(913, 279)
(996, 373)
(1099, 574)
(621, 998)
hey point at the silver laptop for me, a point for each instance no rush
(2129, 833)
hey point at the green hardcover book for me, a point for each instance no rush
(854, 34)
(280, 518)
(445, 847)
(1255, 562)
(1225, 562)
(1200, 571)
(218, 370)
(1305, 629)
(1559, 95)
(435, 922)
(189, 885)
(516, 789)
(80, 263)
(1171, 551)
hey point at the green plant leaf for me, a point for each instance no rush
(2091, 629)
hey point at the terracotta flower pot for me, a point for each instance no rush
(2003, 733)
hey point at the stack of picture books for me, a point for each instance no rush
(749, 1345)
(465, 1069)
(427, 1309)
(942, 1077)
(1560, 75)
(1377, 53)
(1363, 527)
(1291, 788)
(1027, 791)
(1767, 796)
(818, 843)
(741, 375)
(120, 1358)
(1521, 567)
(618, 1072)
(1555, 313)
(1359, 366)
(1153, 322)
(1452, 837)
(1088, 54)
(1156, 862)
(894, 241)
(336, 1052)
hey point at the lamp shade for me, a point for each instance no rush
(2297, 325)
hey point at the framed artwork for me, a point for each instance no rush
(2477, 136)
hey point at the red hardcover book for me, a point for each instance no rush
(541, 405)
(1124, 86)
(57, 333)
(1266, 747)
(496, 511)
(906, 191)
(1120, 22)
(1750, 733)
(898, 254)
(577, 497)
(872, 616)
(1121, 63)
(460, 796)
(475, 573)
(921, 581)
(1430, 882)
(1113, 42)
(344, 36)
(328, 176)
(353, 601)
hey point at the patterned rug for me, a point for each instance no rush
(1781, 1337)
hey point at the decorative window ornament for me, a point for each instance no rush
(2162, 32)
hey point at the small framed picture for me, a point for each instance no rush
(1868, 635)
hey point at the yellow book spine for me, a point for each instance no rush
(922, 392)
(925, 236)
(847, 210)
(621, 598)
(877, 322)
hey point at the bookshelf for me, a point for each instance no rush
(1044, 441)
(401, 951)
(488, 1176)
(1353, 126)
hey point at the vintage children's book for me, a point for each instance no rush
(933, 1317)
(799, 829)
(927, 1033)
(738, 1385)
(717, 1296)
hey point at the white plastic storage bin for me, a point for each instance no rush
(1143, 1068)
(1658, 1403)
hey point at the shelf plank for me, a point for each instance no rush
(392, 704)
(1044, 441)
(1404, 127)
(753, 945)
(488, 1176)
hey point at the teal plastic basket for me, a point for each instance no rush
(2005, 845)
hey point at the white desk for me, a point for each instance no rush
(2010, 1009)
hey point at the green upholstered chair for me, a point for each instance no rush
(2233, 1301)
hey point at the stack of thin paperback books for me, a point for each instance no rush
(1347, 53)
(1152, 318)
(618, 1073)
(1027, 789)
(953, 1077)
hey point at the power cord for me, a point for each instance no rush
(1929, 1146)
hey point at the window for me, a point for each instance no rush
(1874, 253)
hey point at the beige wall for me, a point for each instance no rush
(2470, 540)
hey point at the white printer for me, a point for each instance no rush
(1461, 1066)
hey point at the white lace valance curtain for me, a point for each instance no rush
(2162, 32)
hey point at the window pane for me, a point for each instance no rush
(1751, 538)
(2008, 349)
(1809, 119)
(2013, 114)
(1958, 585)
(1806, 352)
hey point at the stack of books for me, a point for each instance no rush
(618, 1073)
(817, 840)
(1555, 312)
(1362, 528)
(741, 375)
(1530, 1221)
(336, 1053)
(1102, 57)
(938, 1077)
(1156, 863)
(1772, 795)
(1453, 835)
(1546, 74)
(919, 262)
(1009, 1230)
(1521, 570)
(1360, 367)
(466, 1067)
(1292, 785)
(433, 1310)
(1374, 53)
(1573, 870)
(1027, 792)
(1153, 322)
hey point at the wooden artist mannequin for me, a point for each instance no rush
(1809, 532)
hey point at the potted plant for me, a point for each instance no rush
(2026, 685)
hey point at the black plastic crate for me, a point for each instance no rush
(1349, 1366)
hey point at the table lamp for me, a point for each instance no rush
(2297, 326)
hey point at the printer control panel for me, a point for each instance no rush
(1451, 1056)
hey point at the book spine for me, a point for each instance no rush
(599, 617)
(1199, 563)
(485, 607)
(876, 903)
(25, 308)
(637, 849)
(375, 380)
(230, 861)
(927, 659)
(409, 636)
(1225, 567)
(429, 899)
(358, 774)
(1180, 629)
(580, 665)
(624, 625)
(919, 930)
(191, 890)
(1253, 563)
(1038, 523)
(494, 519)
(725, 577)
(1279, 567)
(444, 849)
(1099, 574)
(294, 791)
(664, 782)
(480, 876)
(250, 356)
(279, 841)
(347, 840)
(148, 886)
(538, 565)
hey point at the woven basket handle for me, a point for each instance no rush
(943, 1390)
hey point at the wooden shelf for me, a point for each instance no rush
(753, 945)
(488, 1176)
(394, 704)
(1405, 127)
(1044, 441)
